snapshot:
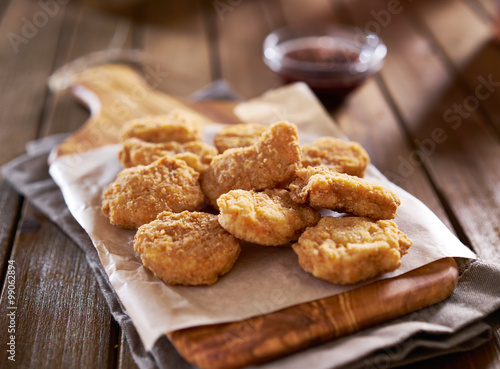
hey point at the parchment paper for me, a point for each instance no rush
(264, 279)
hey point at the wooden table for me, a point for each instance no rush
(430, 122)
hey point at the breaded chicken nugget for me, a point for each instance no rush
(342, 156)
(238, 135)
(188, 248)
(196, 154)
(179, 125)
(265, 164)
(267, 218)
(347, 250)
(140, 193)
(325, 188)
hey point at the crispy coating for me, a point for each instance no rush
(179, 125)
(188, 248)
(238, 135)
(196, 154)
(267, 163)
(342, 156)
(325, 188)
(348, 250)
(140, 193)
(268, 218)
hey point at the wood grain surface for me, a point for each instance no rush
(437, 51)
(269, 336)
(35, 247)
(264, 338)
(114, 94)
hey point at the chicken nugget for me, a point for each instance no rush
(273, 159)
(348, 250)
(140, 193)
(339, 155)
(238, 135)
(196, 154)
(268, 218)
(179, 125)
(325, 188)
(188, 248)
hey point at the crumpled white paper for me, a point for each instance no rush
(264, 279)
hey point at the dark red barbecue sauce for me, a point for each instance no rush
(331, 79)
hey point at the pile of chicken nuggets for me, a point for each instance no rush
(193, 203)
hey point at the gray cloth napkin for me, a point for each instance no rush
(462, 322)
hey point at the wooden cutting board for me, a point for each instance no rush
(117, 93)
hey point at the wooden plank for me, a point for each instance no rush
(491, 6)
(485, 8)
(272, 13)
(3, 6)
(10, 203)
(367, 118)
(62, 319)
(461, 154)
(298, 12)
(176, 39)
(405, 85)
(460, 33)
(24, 46)
(86, 30)
(403, 77)
(482, 76)
(475, 61)
(467, 49)
(53, 321)
(241, 47)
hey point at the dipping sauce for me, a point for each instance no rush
(332, 61)
(324, 56)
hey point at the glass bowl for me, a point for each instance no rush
(332, 60)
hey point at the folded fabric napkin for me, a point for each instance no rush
(463, 321)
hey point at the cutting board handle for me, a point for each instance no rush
(264, 338)
(114, 94)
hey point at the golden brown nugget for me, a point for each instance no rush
(238, 135)
(140, 193)
(268, 218)
(196, 154)
(267, 163)
(348, 250)
(188, 248)
(179, 125)
(325, 188)
(342, 156)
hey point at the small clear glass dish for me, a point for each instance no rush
(332, 60)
